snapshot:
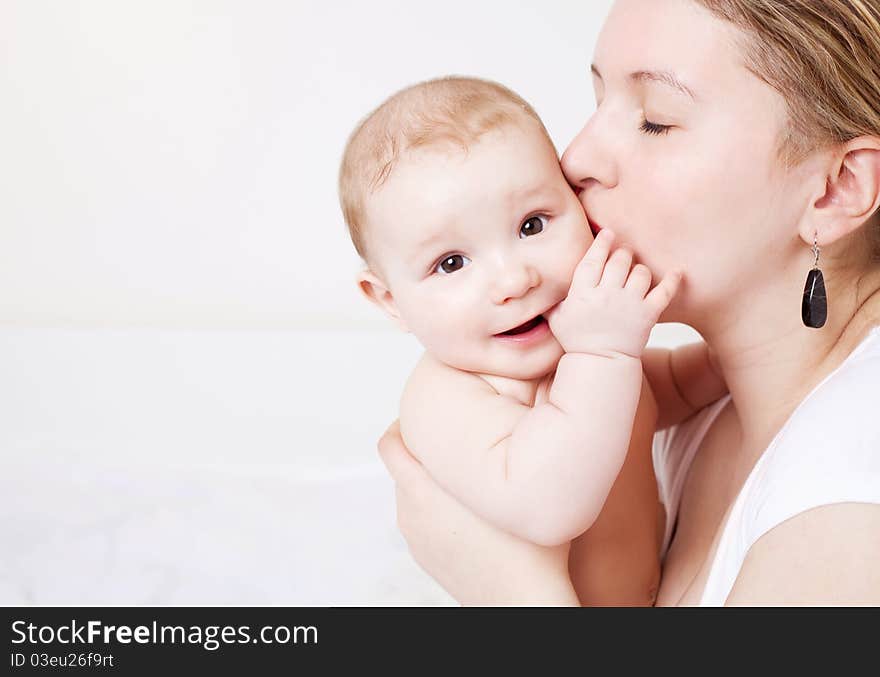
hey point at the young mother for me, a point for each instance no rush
(739, 140)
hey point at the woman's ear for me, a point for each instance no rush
(377, 291)
(852, 192)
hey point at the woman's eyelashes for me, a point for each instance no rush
(653, 128)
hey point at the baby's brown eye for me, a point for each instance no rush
(451, 264)
(532, 226)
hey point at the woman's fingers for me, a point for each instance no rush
(406, 513)
(401, 464)
(474, 561)
(391, 431)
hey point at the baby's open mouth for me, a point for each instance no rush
(523, 328)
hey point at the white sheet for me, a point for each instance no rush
(195, 467)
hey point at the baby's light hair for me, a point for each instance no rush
(450, 111)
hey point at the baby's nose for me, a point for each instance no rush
(512, 282)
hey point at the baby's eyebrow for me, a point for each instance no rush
(534, 191)
(665, 78)
(428, 241)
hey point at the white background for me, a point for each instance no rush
(191, 388)
(173, 163)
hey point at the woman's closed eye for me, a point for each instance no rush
(653, 128)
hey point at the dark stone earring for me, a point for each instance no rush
(814, 309)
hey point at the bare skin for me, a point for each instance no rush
(740, 223)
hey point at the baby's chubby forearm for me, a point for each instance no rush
(563, 456)
(543, 472)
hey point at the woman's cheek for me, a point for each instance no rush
(659, 236)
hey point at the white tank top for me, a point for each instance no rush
(827, 452)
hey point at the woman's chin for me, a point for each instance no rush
(677, 310)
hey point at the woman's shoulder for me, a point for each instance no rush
(843, 407)
(829, 450)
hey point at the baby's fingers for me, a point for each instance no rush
(639, 280)
(661, 295)
(617, 268)
(550, 315)
(589, 270)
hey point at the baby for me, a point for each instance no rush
(526, 403)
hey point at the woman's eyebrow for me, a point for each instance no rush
(663, 77)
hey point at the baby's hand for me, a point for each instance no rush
(609, 309)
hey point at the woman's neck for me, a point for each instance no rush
(771, 361)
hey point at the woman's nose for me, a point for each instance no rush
(513, 280)
(587, 160)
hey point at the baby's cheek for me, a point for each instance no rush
(443, 331)
(571, 258)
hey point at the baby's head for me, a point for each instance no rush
(454, 198)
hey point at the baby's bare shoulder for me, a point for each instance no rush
(444, 408)
(433, 379)
(436, 398)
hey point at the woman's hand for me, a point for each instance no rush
(474, 562)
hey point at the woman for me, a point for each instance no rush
(740, 140)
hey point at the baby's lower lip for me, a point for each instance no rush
(533, 334)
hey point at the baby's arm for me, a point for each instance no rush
(540, 473)
(616, 561)
(684, 380)
(543, 473)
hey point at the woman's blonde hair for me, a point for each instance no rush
(823, 57)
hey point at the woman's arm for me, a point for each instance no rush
(684, 380)
(824, 556)
(474, 562)
(616, 562)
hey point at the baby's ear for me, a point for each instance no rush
(376, 291)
